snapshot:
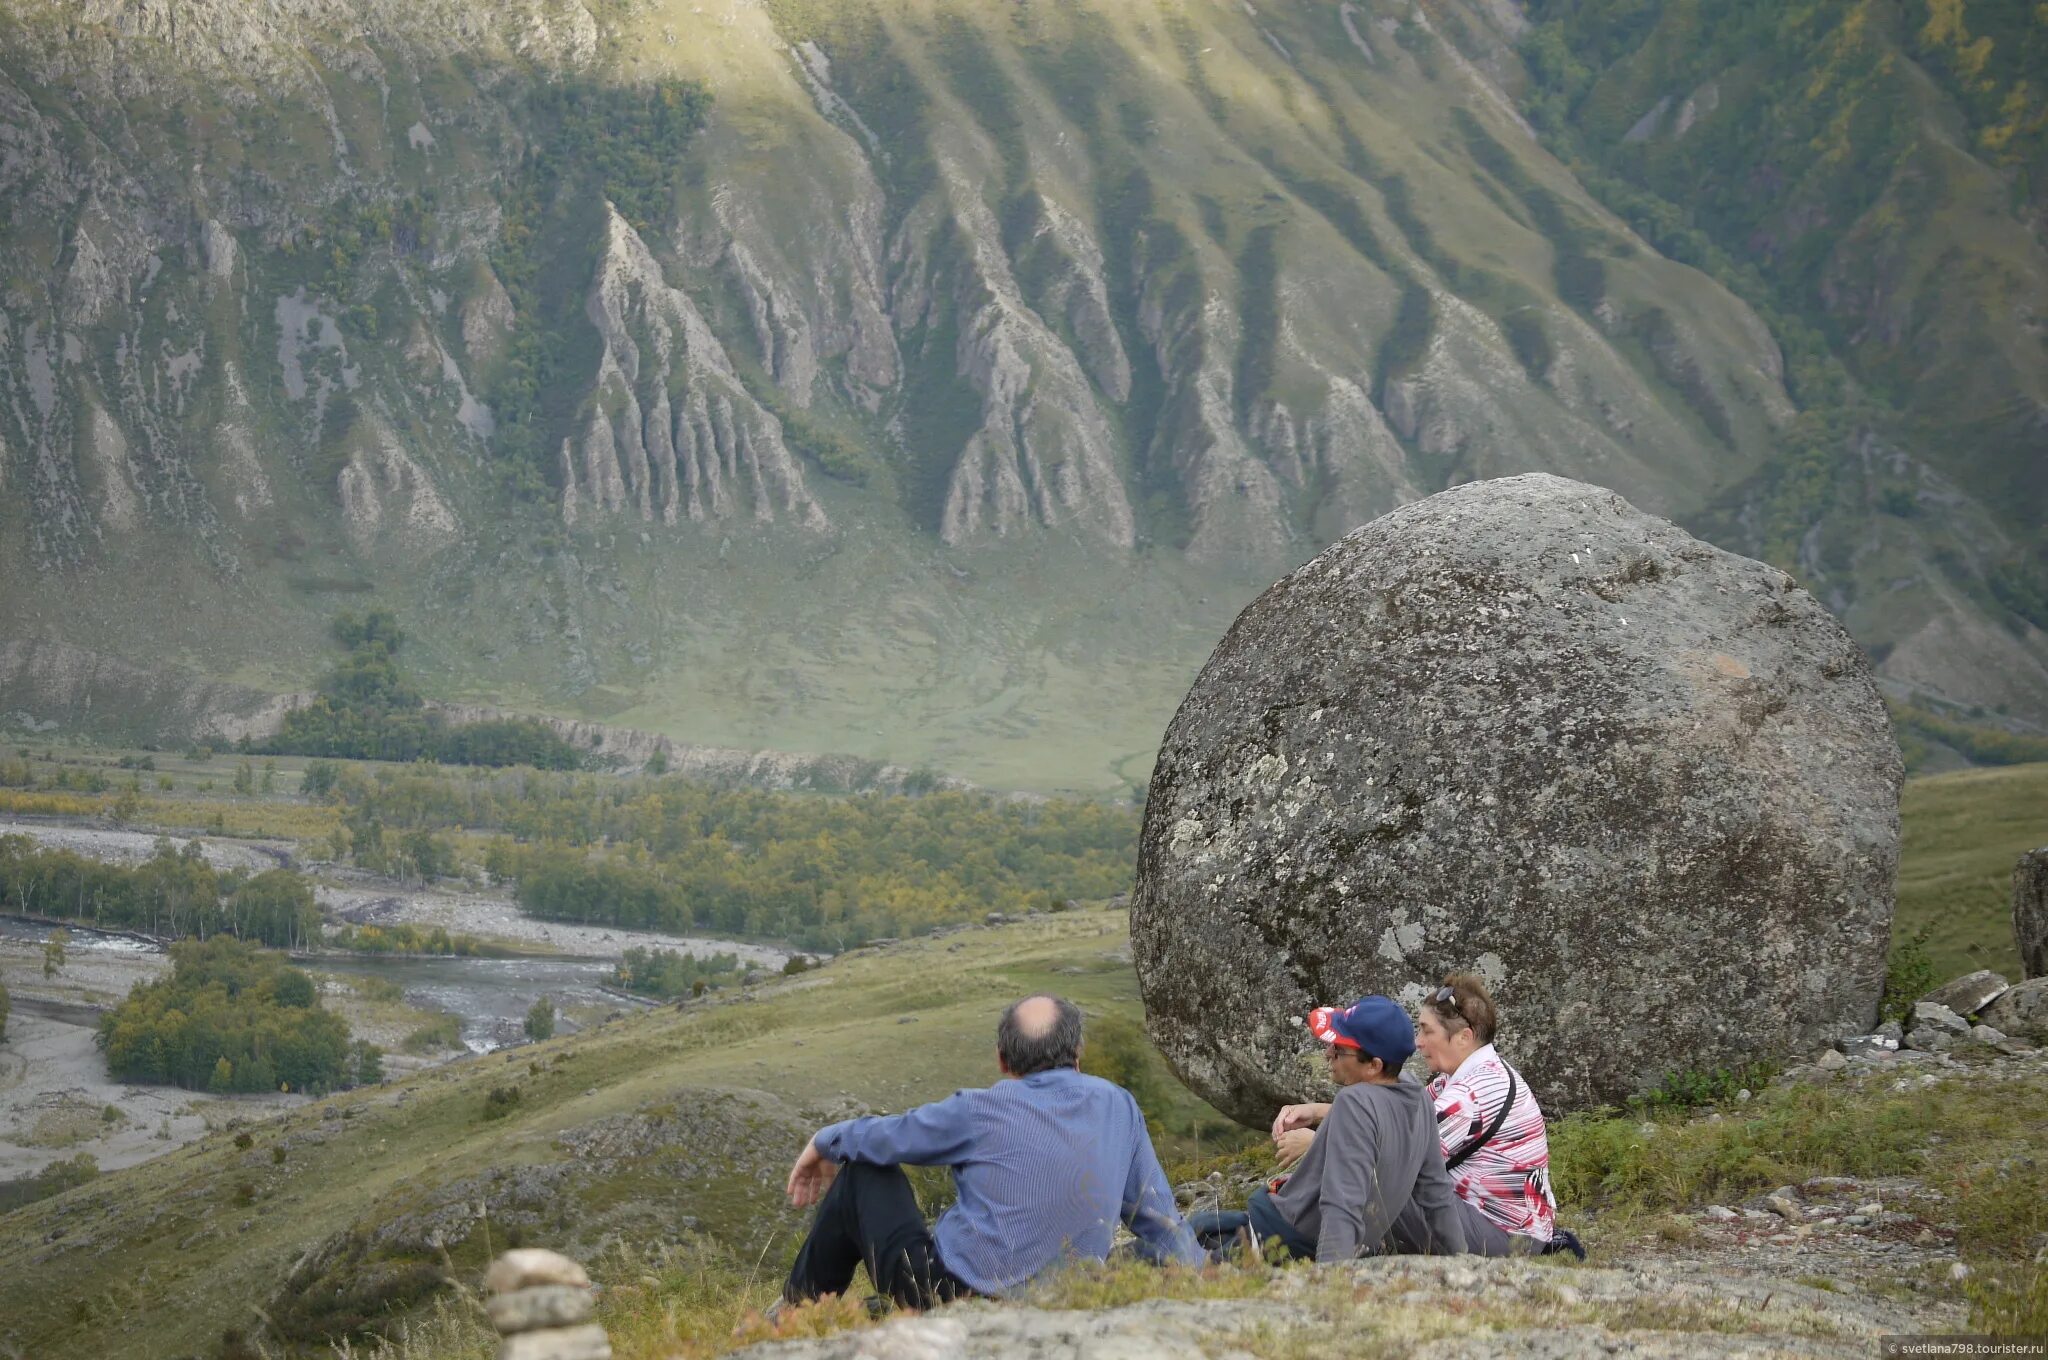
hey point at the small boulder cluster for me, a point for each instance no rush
(542, 1305)
(1980, 1008)
(1979, 1013)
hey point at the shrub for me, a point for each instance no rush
(540, 1020)
(442, 1032)
(1908, 976)
(501, 1101)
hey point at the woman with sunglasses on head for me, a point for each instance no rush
(1490, 1125)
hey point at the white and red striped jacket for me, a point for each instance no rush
(1508, 1180)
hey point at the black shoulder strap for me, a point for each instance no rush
(1456, 1158)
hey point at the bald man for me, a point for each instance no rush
(1046, 1162)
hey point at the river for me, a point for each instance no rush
(490, 996)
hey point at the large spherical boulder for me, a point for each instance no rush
(1644, 786)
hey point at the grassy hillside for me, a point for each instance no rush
(1961, 833)
(669, 1130)
(157, 1261)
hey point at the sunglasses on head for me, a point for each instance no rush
(1446, 997)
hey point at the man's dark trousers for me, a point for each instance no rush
(870, 1217)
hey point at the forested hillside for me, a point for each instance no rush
(932, 382)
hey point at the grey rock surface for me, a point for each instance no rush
(2030, 912)
(1466, 1306)
(2023, 1011)
(1932, 1015)
(1644, 786)
(569, 1343)
(527, 1310)
(1970, 993)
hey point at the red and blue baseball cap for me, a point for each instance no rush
(1375, 1025)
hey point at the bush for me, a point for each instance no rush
(1690, 1089)
(1908, 976)
(540, 1020)
(501, 1101)
(442, 1032)
(54, 1179)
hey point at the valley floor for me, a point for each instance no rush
(55, 1095)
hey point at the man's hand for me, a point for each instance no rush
(811, 1177)
(1291, 1145)
(1298, 1117)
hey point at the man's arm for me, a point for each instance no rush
(938, 1134)
(1148, 1207)
(1354, 1206)
(1299, 1117)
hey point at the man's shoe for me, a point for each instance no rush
(1564, 1239)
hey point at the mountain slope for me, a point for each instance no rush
(936, 388)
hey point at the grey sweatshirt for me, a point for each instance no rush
(1376, 1152)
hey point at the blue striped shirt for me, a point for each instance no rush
(1045, 1166)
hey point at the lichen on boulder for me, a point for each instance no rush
(1644, 786)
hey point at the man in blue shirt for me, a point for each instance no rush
(1046, 1163)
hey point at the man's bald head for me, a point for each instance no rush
(1039, 1034)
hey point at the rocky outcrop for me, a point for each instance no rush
(672, 433)
(1043, 452)
(53, 686)
(2022, 1011)
(1644, 786)
(2030, 912)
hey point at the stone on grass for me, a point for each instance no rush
(2023, 1011)
(529, 1266)
(1644, 786)
(1970, 993)
(1984, 1034)
(1830, 1060)
(1929, 1015)
(2030, 912)
(567, 1343)
(1931, 1040)
(547, 1305)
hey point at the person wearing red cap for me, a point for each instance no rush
(1375, 1159)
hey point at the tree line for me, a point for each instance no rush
(233, 1017)
(824, 873)
(174, 892)
(367, 710)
